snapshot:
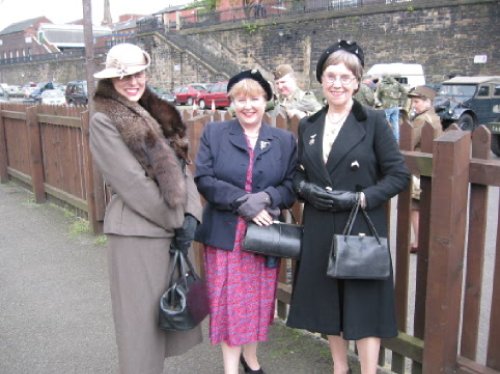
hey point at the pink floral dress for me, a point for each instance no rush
(241, 289)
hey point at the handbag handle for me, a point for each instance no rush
(352, 218)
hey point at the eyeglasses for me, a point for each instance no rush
(345, 80)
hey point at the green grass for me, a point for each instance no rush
(79, 226)
(101, 240)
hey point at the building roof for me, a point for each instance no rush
(69, 35)
(170, 9)
(23, 25)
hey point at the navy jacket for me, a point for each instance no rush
(221, 166)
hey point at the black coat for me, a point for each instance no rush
(365, 157)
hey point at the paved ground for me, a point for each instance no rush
(55, 313)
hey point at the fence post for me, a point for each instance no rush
(481, 140)
(4, 175)
(88, 171)
(446, 250)
(36, 157)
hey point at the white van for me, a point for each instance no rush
(410, 75)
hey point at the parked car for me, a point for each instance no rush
(4, 96)
(163, 94)
(468, 101)
(215, 96)
(53, 97)
(76, 93)
(187, 94)
(36, 95)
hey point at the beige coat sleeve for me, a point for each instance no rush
(138, 207)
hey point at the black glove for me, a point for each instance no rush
(318, 197)
(184, 236)
(253, 204)
(343, 200)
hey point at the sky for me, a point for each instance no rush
(61, 11)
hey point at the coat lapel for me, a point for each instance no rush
(352, 133)
(265, 141)
(312, 142)
(236, 136)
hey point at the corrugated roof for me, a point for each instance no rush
(22, 25)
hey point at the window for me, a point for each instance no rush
(483, 91)
(497, 91)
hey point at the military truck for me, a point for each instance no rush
(495, 134)
(468, 101)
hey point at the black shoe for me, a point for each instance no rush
(248, 369)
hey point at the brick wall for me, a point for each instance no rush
(442, 35)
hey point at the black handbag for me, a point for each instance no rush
(279, 239)
(185, 303)
(359, 256)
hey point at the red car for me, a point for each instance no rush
(186, 95)
(216, 95)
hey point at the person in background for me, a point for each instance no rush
(139, 144)
(291, 99)
(244, 170)
(344, 149)
(365, 94)
(422, 112)
(389, 95)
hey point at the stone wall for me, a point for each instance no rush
(442, 35)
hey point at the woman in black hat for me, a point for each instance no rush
(244, 170)
(343, 149)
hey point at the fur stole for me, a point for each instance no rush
(153, 131)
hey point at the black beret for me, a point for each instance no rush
(345, 45)
(256, 76)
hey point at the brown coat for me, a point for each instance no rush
(140, 226)
(420, 120)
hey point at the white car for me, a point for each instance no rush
(53, 97)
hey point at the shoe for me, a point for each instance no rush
(248, 369)
(413, 249)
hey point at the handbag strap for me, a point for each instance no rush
(352, 216)
(371, 225)
(174, 259)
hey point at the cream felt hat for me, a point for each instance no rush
(124, 59)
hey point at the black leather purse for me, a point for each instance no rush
(185, 303)
(359, 256)
(279, 239)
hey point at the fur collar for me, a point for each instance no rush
(153, 131)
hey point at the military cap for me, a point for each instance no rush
(345, 45)
(282, 70)
(256, 76)
(422, 92)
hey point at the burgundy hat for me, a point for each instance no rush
(345, 45)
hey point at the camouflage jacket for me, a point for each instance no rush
(365, 95)
(303, 101)
(390, 93)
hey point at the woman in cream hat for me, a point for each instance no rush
(139, 144)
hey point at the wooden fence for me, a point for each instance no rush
(47, 149)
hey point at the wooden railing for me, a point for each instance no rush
(47, 149)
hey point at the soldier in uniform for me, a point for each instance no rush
(291, 99)
(422, 112)
(365, 94)
(388, 96)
